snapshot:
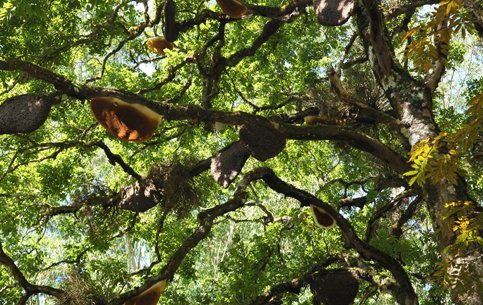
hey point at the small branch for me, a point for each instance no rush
(201, 18)
(283, 12)
(87, 38)
(171, 75)
(230, 218)
(74, 261)
(269, 29)
(257, 108)
(408, 213)
(404, 25)
(348, 184)
(382, 211)
(475, 11)
(133, 34)
(10, 166)
(211, 76)
(24, 298)
(36, 148)
(442, 36)
(347, 49)
(359, 202)
(274, 294)
(116, 159)
(351, 63)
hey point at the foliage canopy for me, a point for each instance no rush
(376, 121)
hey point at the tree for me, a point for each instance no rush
(357, 109)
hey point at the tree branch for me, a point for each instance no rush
(404, 291)
(206, 220)
(442, 36)
(86, 38)
(269, 29)
(381, 212)
(375, 114)
(410, 98)
(353, 138)
(294, 285)
(408, 213)
(408, 7)
(279, 12)
(23, 282)
(115, 158)
(475, 10)
(59, 81)
(175, 112)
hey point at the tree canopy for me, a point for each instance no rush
(241, 152)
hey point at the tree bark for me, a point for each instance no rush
(412, 100)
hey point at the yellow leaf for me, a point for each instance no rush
(410, 173)
(413, 179)
(419, 160)
(449, 8)
(410, 33)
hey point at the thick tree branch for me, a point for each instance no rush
(353, 138)
(282, 13)
(29, 288)
(174, 112)
(409, 7)
(52, 211)
(359, 202)
(378, 46)
(206, 220)
(59, 82)
(294, 285)
(405, 293)
(383, 53)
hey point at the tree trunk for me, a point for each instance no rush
(464, 265)
(412, 100)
